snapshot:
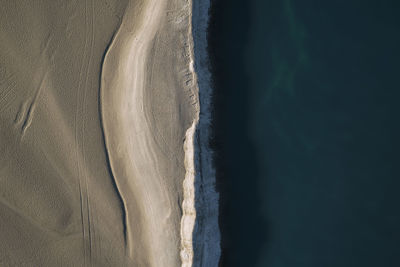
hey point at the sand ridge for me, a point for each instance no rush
(147, 160)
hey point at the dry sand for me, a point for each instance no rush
(95, 101)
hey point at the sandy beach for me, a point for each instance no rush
(99, 103)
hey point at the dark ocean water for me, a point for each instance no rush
(306, 131)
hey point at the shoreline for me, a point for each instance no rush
(206, 235)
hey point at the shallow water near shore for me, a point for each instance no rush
(306, 132)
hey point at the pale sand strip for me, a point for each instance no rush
(188, 203)
(148, 101)
(188, 219)
(127, 134)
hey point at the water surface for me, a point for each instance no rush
(306, 130)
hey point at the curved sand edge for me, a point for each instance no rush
(188, 204)
(148, 178)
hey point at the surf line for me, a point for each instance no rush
(200, 233)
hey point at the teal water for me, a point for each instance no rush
(307, 131)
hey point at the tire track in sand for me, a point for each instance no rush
(79, 138)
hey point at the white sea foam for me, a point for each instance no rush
(200, 233)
